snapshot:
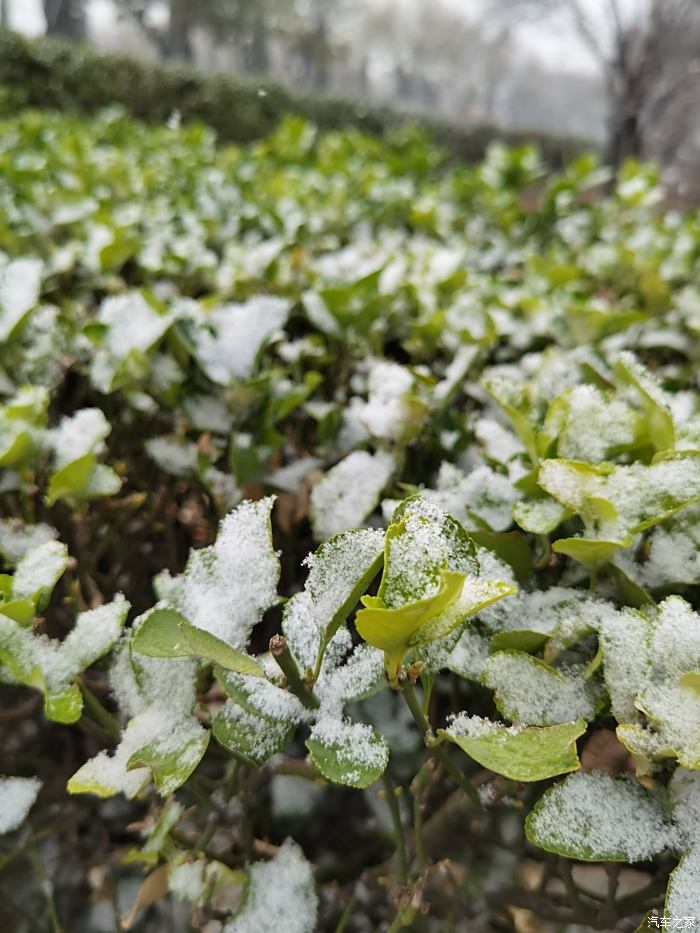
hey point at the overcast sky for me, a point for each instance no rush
(555, 46)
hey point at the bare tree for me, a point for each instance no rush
(646, 52)
(173, 40)
(65, 18)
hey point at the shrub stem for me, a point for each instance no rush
(400, 838)
(426, 733)
(281, 653)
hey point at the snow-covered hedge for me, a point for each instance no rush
(350, 519)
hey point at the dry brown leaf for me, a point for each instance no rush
(153, 888)
(604, 752)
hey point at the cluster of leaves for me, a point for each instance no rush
(470, 394)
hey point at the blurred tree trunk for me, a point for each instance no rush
(4, 14)
(65, 18)
(177, 42)
(258, 59)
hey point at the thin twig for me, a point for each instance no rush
(426, 734)
(399, 836)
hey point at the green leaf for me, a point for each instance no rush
(682, 896)
(596, 817)
(71, 480)
(394, 630)
(428, 586)
(517, 407)
(347, 753)
(589, 551)
(540, 516)
(657, 411)
(19, 448)
(518, 640)
(165, 633)
(38, 572)
(64, 706)
(529, 692)
(22, 611)
(510, 546)
(522, 754)
(171, 762)
(691, 680)
(251, 737)
(158, 836)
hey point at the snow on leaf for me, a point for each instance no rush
(51, 666)
(227, 586)
(349, 492)
(530, 692)
(617, 501)
(522, 753)
(17, 539)
(238, 332)
(38, 572)
(162, 740)
(347, 752)
(340, 570)
(17, 796)
(596, 817)
(280, 895)
(252, 737)
(77, 435)
(20, 286)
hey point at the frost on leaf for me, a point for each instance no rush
(669, 697)
(615, 502)
(51, 666)
(430, 583)
(20, 286)
(339, 572)
(345, 752)
(38, 572)
(162, 740)
(226, 587)
(17, 796)
(349, 492)
(596, 817)
(394, 410)
(280, 895)
(481, 498)
(17, 539)
(522, 753)
(529, 692)
(131, 324)
(233, 335)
